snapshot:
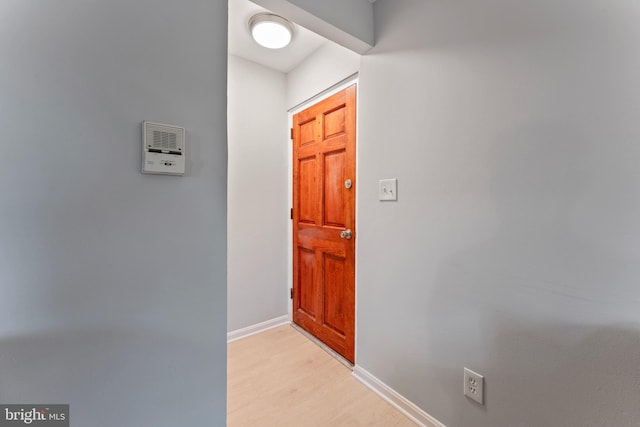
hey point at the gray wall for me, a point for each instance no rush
(325, 67)
(113, 282)
(258, 210)
(346, 22)
(352, 16)
(513, 249)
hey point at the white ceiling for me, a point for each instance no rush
(242, 44)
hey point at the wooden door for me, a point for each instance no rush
(324, 204)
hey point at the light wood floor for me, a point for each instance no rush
(281, 378)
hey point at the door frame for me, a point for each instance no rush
(332, 90)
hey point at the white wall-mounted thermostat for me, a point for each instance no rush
(163, 149)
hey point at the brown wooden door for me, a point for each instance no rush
(324, 204)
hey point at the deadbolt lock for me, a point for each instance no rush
(348, 183)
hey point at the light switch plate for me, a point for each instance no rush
(388, 189)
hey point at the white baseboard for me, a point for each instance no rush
(257, 328)
(395, 399)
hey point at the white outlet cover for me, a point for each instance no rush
(388, 189)
(474, 385)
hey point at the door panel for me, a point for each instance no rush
(308, 296)
(307, 132)
(333, 186)
(308, 190)
(334, 315)
(334, 122)
(324, 138)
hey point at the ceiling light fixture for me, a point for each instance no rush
(271, 31)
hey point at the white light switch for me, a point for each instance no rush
(388, 189)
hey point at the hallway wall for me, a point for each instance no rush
(513, 248)
(113, 282)
(325, 67)
(258, 210)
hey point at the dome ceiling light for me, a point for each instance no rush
(271, 31)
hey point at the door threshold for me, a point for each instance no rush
(323, 346)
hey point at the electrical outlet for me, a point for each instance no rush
(474, 385)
